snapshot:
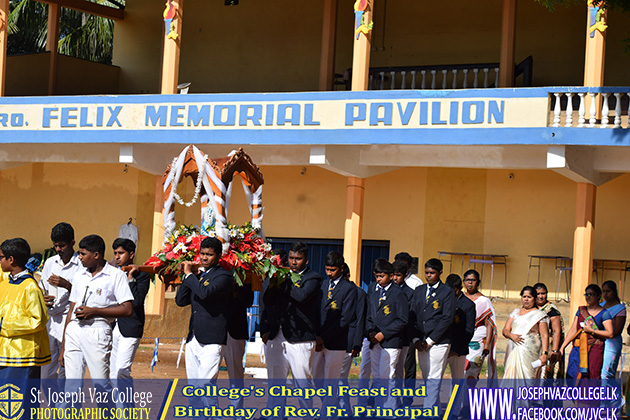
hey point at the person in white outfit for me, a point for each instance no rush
(56, 282)
(99, 294)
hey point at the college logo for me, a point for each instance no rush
(436, 304)
(11, 402)
(386, 310)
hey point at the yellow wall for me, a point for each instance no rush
(27, 75)
(419, 210)
(274, 45)
(92, 198)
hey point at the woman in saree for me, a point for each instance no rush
(555, 366)
(528, 333)
(591, 327)
(613, 346)
(483, 342)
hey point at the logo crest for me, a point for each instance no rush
(386, 310)
(333, 305)
(436, 304)
(11, 402)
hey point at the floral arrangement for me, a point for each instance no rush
(248, 252)
(182, 245)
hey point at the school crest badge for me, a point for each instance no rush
(457, 319)
(436, 304)
(386, 310)
(205, 283)
(333, 305)
(11, 402)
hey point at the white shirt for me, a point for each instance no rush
(55, 266)
(108, 288)
(413, 281)
(432, 288)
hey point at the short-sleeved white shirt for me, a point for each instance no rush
(109, 287)
(413, 281)
(55, 266)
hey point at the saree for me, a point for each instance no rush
(474, 360)
(554, 370)
(612, 346)
(587, 356)
(519, 357)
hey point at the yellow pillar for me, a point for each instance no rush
(595, 55)
(170, 55)
(327, 60)
(52, 44)
(361, 54)
(4, 14)
(354, 226)
(583, 243)
(155, 304)
(508, 44)
(594, 59)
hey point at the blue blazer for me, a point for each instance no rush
(242, 297)
(463, 324)
(134, 325)
(336, 314)
(389, 316)
(356, 332)
(297, 306)
(434, 317)
(208, 298)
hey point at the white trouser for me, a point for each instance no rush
(123, 352)
(282, 356)
(384, 373)
(432, 364)
(365, 370)
(346, 365)
(233, 354)
(202, 366)
(345, 371)
(326, 369)
(457, 365)
(400, 365)
(89, 346)
(55, 327)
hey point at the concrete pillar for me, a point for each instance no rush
(155, 303)
(361, 55)
(594, 59)
(170, 55)
(52, 44)
(508, 44)
(327, 60)
(353, 234)
(4, 16)
(583, 243)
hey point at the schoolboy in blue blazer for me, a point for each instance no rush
(432, 315)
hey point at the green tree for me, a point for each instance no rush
(81, 35)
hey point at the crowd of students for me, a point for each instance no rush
(86, 312)
(80, 312)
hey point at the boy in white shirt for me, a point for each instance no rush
(99, 294)
(56, 283)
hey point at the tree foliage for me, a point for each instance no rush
(617, 5)
(81, 35)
